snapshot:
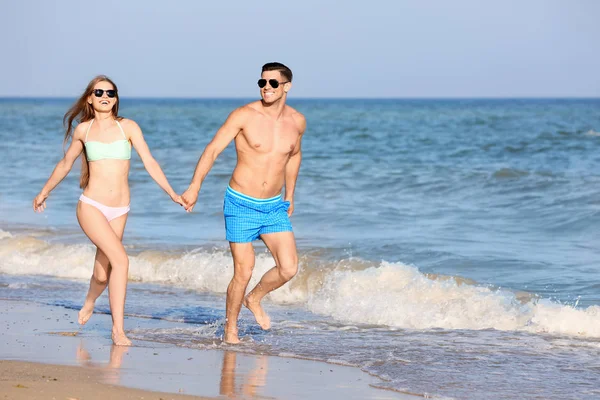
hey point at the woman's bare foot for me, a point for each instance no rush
(85, 313)
(119, 339)
(82, 355)
(231, 336)
(116, 356)
(259, 314)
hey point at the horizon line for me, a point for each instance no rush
(9, 97)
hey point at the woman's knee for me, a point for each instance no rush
(100, 277)
(119, 261)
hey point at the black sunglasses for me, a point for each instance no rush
(273, 82)
(110, 93)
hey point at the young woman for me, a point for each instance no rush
(105, 139)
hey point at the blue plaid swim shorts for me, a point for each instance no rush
(246, 218)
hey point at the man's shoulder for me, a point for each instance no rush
(247, 110)
(294, 113)
(253, 108)
(298, 117)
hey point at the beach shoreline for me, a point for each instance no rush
(40, 345)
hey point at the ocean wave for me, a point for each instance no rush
(592, 132)
(352, 291)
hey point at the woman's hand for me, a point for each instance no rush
(177, 199)
(39, 203)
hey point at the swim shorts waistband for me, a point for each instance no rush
(242, 196)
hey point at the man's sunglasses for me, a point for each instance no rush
(273, 82)
(100, 92)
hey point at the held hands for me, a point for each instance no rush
(177, 199)
(39, 203)
(189, 197)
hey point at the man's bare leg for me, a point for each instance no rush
(99, 279)
(282, 246)
(243, 264)
(227, 386)
(257, 378)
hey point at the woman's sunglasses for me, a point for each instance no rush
(273, 82)
(100, 92)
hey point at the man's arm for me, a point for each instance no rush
(228, 131)
(293, 167)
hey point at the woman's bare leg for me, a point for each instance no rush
(100, 232)
(99, 279)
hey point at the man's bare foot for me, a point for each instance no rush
(119, 339)
(259, 314)
(231, 337)
(85, 313)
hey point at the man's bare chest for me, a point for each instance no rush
(278, 138)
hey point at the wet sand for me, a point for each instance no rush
(40, 343)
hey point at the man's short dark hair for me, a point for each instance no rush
(275, 66)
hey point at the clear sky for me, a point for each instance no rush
(341, 48)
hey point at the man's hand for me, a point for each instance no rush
(39, 203)
(290, 210)
(189, 197)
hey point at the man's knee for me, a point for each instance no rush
(243, 272)
(288, 268)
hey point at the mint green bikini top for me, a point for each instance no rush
(117, 150)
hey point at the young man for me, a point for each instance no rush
(267, 136)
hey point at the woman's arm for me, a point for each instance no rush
(61, 170)
(151, 165)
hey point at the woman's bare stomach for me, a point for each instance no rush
(112, 194)
(109, 183)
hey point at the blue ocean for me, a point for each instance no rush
(449, 247)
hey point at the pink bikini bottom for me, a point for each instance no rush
(109, 212)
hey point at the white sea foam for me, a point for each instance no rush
(399, 295)
(18, 285)
(353, 292)
(592, 132)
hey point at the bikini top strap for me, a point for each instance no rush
(88, 130)
(121, 128)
